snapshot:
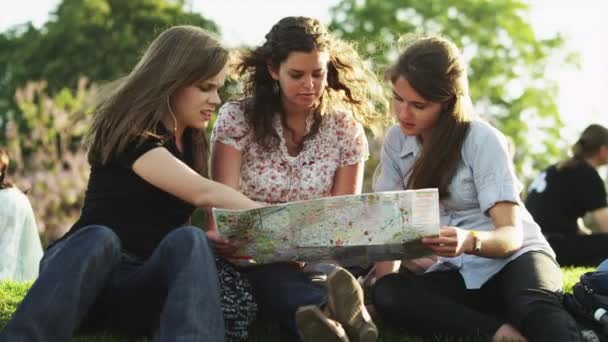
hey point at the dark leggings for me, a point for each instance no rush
(579, 250)
(525, 293)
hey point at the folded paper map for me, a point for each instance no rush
(348, 229)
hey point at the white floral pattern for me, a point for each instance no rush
(275, 176)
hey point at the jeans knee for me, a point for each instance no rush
(104, 241)
(188, 236)
(187, 239)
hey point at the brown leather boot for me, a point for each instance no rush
(346, 305)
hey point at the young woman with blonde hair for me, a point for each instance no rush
(131, 263)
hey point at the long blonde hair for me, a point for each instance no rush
(132, 107)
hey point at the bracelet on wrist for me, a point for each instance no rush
(476, 242)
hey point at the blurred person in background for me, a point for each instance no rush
(565, 192)
(20, 247)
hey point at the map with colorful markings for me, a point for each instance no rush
(369, 227)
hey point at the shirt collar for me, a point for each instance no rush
(410, 146)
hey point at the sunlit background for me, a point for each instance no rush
(583, 90)
(579, 68)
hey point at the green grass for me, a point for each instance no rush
(12, 293)
(571, 275)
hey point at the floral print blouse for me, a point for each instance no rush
(274, 176)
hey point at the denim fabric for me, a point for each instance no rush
(280, 289)
(602, 274)
(86, 281)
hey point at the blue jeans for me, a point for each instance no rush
(87, 282)
(280, 289)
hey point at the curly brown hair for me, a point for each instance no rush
(350, 85)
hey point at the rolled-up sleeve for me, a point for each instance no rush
(351, 140)
(231, 127)
(493, 171)
(388, 175)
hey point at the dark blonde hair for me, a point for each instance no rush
(433, 66)
(135, 105)
(592, 139)
(350, 85)
(4, 162)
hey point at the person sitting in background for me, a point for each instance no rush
(565, 192)
(20, 247)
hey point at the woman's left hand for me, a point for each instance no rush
(451, 241)
(222, 247)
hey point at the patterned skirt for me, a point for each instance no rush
(238, 304)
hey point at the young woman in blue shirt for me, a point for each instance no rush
(496, 276)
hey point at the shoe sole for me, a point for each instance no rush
(353, 316)
(314, 326)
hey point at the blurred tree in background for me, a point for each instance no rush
(99, 39)
(55, 173)
(507, 62)
(47, 87)
(45, 100)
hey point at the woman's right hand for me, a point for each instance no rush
(223, 247)
(451, 242)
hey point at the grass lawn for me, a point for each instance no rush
(12, 293)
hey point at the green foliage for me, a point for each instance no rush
(42, 122)
(572, 275)
(507, 62)
(49, 160)
(11, 294)
(100, 39)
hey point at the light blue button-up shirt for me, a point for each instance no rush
(484, 177)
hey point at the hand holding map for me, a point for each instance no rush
(352, 228)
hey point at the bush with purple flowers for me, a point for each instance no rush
(50, 163)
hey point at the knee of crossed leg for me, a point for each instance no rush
(105, 241)
(185, 240)
(385, 292)
(533, 303)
